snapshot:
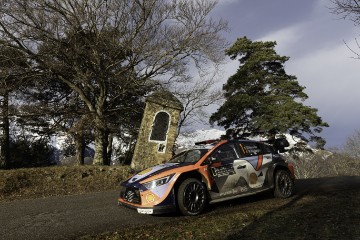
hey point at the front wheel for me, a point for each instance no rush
(191, 197)
(284, 184)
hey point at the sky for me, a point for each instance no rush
(313, 38)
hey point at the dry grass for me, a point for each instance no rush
(52, 181)
(324, 164)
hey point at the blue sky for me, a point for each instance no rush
(313, 38)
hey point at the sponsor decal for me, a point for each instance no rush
(223, 171)
(234, 191)
(150, 197)
(145, 211)
(145, 171)
(253, 178)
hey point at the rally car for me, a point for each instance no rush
(210, 172)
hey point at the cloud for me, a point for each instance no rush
(227, 2)
(313, 38)
(285, 38)
(324, 65)
(331, 78)
(326, 68)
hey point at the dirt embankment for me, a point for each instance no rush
(53, 181)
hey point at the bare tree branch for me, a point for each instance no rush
(109, 51)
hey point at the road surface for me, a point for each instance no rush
(69, 217)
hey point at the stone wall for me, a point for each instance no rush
(149, 152)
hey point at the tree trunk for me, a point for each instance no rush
(109, 149)
(101, 142)
(80, 149)
(5, 141)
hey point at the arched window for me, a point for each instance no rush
(160, 127)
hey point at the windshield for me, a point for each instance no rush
(190, 156)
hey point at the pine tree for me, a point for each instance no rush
(262, 99)
(13, 66)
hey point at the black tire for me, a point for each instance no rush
(191, 197)
(284, 184)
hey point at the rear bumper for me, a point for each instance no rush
(148, 210)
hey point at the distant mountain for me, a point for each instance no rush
(186, 140)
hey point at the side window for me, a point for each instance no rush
(224, 153)
(250, 148)
(267, 149)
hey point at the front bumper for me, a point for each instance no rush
(149, 210)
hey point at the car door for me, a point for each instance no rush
(227, 171)
(258, 157)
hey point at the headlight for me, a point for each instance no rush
(157, 182)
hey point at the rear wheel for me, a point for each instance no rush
(191, 197)
(284, 184)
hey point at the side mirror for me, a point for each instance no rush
(209, 160)
(280, 144)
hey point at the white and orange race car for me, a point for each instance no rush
(210, 172)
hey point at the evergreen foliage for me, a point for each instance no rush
(13, 72)
(261, 98)
(30, 152)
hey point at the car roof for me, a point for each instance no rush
(246, 140)
(208, 144)
(213, 142)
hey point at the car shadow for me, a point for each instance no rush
(304, 187)
(323, 208)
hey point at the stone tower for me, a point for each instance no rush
(158, 130)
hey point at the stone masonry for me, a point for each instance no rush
(158, 130)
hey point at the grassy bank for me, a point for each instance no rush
(52, 181)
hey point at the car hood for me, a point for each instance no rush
(155, 170)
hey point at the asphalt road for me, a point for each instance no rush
(69, 217)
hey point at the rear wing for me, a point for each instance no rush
(279, 144)
(211, 141)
